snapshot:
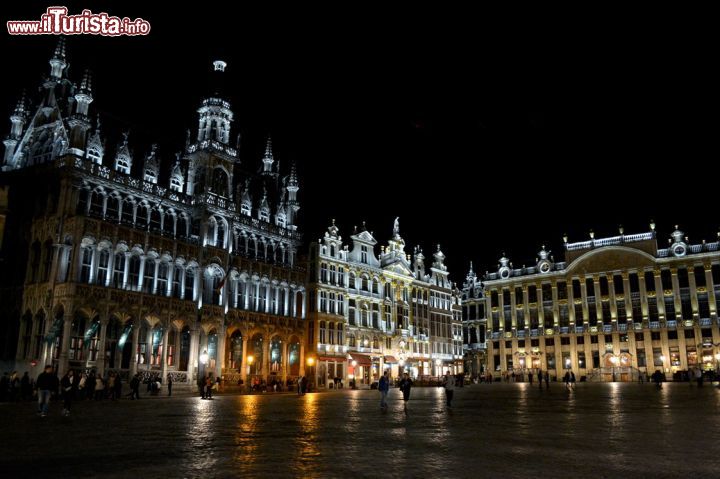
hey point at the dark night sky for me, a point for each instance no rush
(485, 133)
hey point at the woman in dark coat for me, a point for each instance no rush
(405, 385)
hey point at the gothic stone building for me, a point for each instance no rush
(369, 312)
(616, 308)
(108, 269)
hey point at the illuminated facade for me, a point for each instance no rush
(126, 267)
(617, 308)
(369, 312)
(474, 322)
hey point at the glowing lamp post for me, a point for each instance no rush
(201, 377)
(614, 361)
(311, 363)
(353, 375)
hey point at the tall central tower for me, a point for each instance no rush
(212, 159)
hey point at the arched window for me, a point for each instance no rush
(340, 334)
(236, 350)
(365, 283)
(364, 317)
(103, 267)
(184, 348)
(172, 339)
(149, 275)
(331, 333)
(119, 269)
(189, 284)
(86, 264)
(375, 343)
(221, 232)
(162, 279)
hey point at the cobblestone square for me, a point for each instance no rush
(511, 430)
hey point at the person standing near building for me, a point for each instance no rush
(169, 385)
(449, 385)
(540, 378)
(405, 385)
(68, 391)
(547, 379)
(384, 387)
(47, 383)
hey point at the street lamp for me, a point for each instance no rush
(353, 376)
(310, 363)
(201, 379)
(614, 361)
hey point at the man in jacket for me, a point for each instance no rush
(47, 383)
(384, 387)
(449, 385)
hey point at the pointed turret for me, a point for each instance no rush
(268, 159)
(152, 168)
(17, 119)
(246, 200)
(123, 157)
(293, 203)
(264, 209)
(177, 175)
(419, 263)
(215, 112)
(95, 149)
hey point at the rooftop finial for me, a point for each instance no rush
(86, 83)
(60, 49)
(565, 238)
(219, 65)
(652, 225)
(621, 229)
(592, 234)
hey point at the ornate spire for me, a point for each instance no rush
(86, 83)
(21, 107)
(293, 176)
(396, 228)
(268, 157)
(57, 62)
(84, 97)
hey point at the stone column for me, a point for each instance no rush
(302, 359)
(135, 339)
(166, 333)
(284, 360)
(266, 358)
(64, 353)
(304, 303)
(243, 361)
(285, 303)
(100, 362)
(220, 360)
(193, 365)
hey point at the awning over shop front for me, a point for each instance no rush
(390, 359)
(361, 359)
(337, 359)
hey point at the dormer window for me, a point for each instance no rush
(281, 221)
(364, 254)
(245, 209)
(264, 215)
(175, 184)
(122, 166)
(150, 176)
(94, 156)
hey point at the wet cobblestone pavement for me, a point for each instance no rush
(511, 430)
